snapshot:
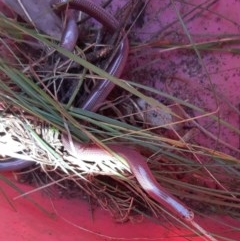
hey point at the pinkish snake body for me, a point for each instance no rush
(69, 38)
(135, 160)
(139, 168)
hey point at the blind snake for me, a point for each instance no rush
(135, 160)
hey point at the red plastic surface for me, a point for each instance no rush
(72, 219)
